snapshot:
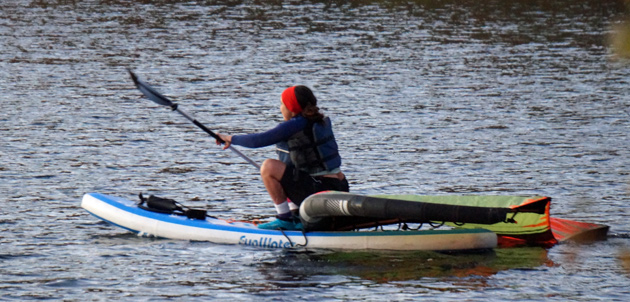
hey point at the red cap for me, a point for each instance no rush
(290, 100)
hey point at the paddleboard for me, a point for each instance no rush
(126, 214)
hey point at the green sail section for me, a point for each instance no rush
(487, 201)
(527, 222)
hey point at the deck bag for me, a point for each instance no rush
(169, 206)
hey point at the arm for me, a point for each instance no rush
(282, 132)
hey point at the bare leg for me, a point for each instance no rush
(271, 172)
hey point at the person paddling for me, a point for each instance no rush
(314, 155)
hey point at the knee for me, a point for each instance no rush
(272, 167)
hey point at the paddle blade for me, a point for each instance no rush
(149, 92)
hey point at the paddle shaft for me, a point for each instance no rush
(214, 135)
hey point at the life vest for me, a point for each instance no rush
(314, 150)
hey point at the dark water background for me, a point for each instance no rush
(427, 97)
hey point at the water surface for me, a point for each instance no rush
(427, 97)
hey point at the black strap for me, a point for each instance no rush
(317, 163)
(170, 206)
(312, 144)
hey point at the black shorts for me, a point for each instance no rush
(298, 185)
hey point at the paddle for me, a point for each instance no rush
(158, 98)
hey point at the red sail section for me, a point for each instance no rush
(569, 230)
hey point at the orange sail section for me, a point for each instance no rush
(569, 230)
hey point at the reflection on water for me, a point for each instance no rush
(402, 266)
(619, 39)
(624, 259)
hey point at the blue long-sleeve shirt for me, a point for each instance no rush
(278, 134)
